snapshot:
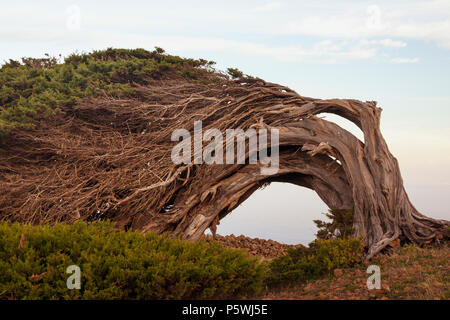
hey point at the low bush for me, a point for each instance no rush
(317, 260)
(119, 265)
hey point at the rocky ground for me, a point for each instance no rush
(255, 246)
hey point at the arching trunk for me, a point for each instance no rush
(318, 154)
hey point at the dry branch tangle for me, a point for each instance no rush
(111, 159)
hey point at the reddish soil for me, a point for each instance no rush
(255, 246)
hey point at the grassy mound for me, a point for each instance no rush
(119, 265)
(39, 88)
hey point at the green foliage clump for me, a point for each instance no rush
(235, 73)
(119, 265)
(334, 248)
(317, 260)
(40, 88)
(341, 225)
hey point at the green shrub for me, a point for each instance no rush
(235, 73)
(119, 265)
(40, 88)
(341, 225)
(319, 259)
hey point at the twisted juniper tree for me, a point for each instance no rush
(109, 157)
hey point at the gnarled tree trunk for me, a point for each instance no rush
(318, 154)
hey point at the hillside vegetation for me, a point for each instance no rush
(37, 88)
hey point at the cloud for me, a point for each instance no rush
(392, 43)
(270, 6)
(405, 60)
(330, 32)
(384, 42)
(420, 20)
(325, 51)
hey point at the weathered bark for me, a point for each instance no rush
(111, 160)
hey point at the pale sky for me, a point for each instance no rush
(394, 52)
